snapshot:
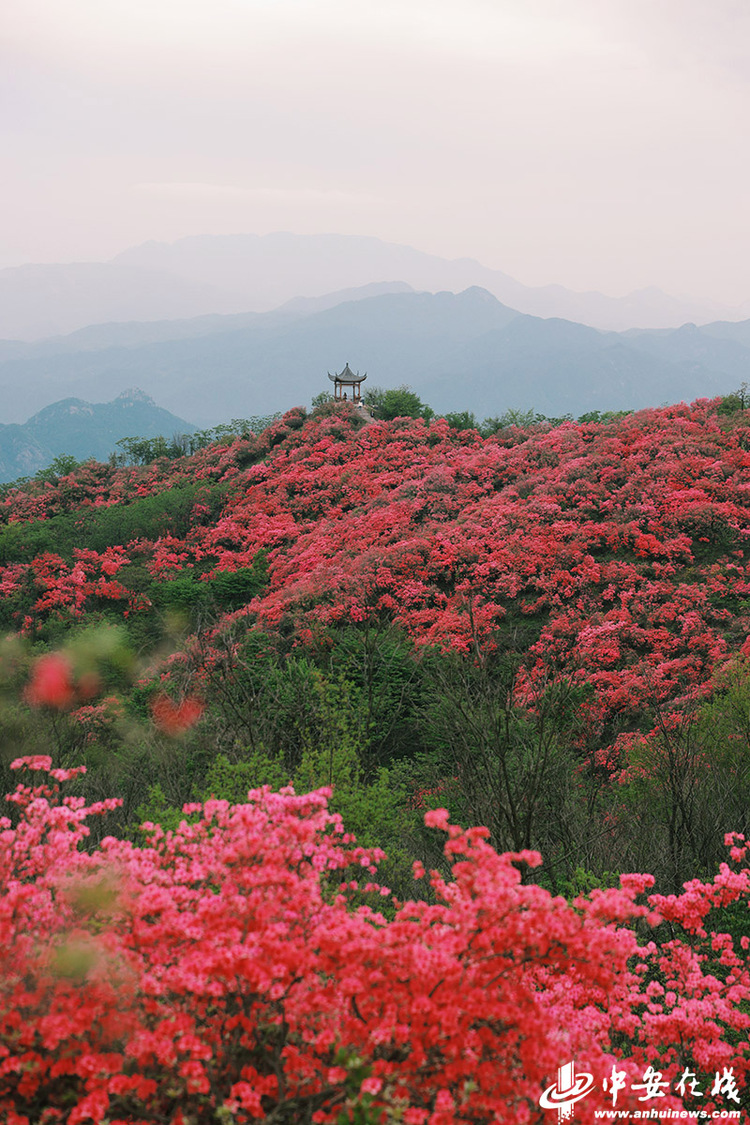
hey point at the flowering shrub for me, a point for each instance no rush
(238, 969)
(175, 718)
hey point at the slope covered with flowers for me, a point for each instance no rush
(624, 543)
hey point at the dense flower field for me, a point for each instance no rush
(625, 541)
(547, 630)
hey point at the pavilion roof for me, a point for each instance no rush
(347, 376)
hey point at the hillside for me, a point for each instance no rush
(594, 576)
(464, 351)
(81, 430)
(232, 662)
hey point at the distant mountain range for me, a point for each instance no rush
(464, 351)
(83, 430)
(224, 274)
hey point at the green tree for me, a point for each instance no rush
(396, 402)
(737, 401)
(461, 420)
(505, 764)
(322, 399)
(689, 783)
(520, 418)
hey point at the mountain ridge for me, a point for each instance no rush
(462, 351)
(281, 255)
(80, 429)
(234, 274)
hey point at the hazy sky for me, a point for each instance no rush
(594, 143)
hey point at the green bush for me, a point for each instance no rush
(398, 402)
(148, 517)
(228, 589)
(462, 420)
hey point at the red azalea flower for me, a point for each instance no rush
(175, 718)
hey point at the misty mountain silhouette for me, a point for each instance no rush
(224, 274)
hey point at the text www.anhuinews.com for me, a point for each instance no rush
(682, 1114)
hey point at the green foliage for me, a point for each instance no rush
(59, 467)
(524, 419)
(733, 919)
(229, 431)
(102, 650)
(735, 402)
(387, 678)
(396, 402)
(21, 542)
(583, 882)
(359, 1108)
(266, 696)
(326, 747)
(232, 781)
(712, 534)
(520, 418)
(688, 782)
(331, 752)
(604, 416)
(506, 765)
(151, 517)
(322, 399)
(234, 588)
(335, 757)
(463, 420)
(148, 517)
(143, 451)
(102, 736)
(156, 809)
(182, 593)
(225, 590)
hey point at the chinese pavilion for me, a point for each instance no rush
(346, 381)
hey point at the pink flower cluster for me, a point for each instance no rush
(234, 969)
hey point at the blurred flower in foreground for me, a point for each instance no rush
(51, 683)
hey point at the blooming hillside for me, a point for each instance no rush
(543, 632)
(608, 558)
(624, 542)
